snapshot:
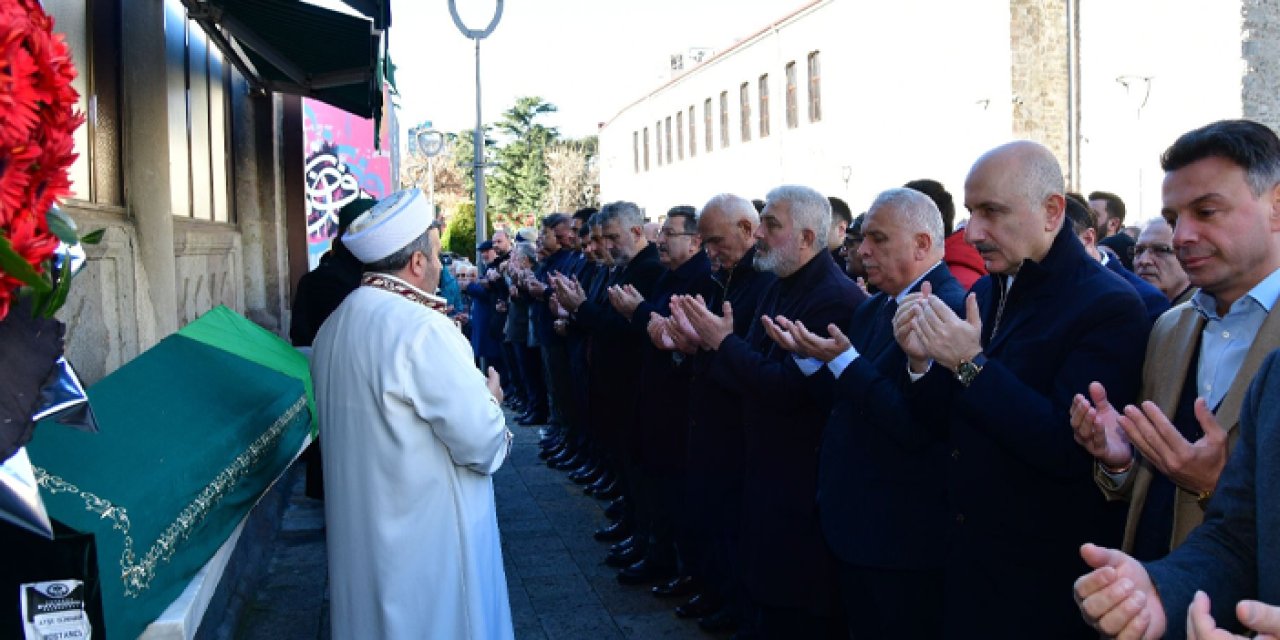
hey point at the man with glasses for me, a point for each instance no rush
(1155, 262)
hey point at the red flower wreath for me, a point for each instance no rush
(37, 120)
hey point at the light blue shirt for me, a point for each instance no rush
(1226, 339)
(838, 364)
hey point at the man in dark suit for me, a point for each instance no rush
(1084, 223)
(1234, 556)
(887, 528)
(786, 567)
(616, 344)
(727, 225)
(999, 380)
(1110, 210)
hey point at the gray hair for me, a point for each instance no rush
(626, 213)
(400, 259)
(919, 212)
(734, 207)
(810, 210)
(526, 250)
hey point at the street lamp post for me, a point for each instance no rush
(429, 143)
(478, 167)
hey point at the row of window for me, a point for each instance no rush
(663, 128)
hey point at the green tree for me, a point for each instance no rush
(460, 234)
(463, 145)
(573, 175)
(519, 181)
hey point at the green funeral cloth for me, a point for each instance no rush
(230, 331)
(192, 436)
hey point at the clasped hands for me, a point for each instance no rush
(625, 299)
(928, 330)
(1119, 600)
(568, 291)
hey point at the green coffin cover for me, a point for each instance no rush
(191, 437)
(227, 330)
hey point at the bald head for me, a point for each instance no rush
(1014, 194)
(726, 223)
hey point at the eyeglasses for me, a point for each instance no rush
(1160, 250)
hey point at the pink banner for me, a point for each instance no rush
(341, 165)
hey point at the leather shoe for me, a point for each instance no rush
(528, 421)
(614, 490)
(682, 586)
(719, 622)
(616, 509)
(599, 485)
(572, 462)
(614, 532)
(551, 450)
(645, 571)
(626, 543)
(698, 606)
(586, 474)
(624, 559)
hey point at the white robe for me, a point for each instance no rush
(411, 435)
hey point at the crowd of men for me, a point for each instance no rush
(806, 424)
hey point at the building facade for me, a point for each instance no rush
(920, 88)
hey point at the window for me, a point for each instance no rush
(657, 141)
(635, 149)
(764, 105)
(668, 140)
(724, 119)
(706, 124)
(793, 118)
(693, 137)
(646, 148)
(744, 98)
(92, 32)
(680, 135)
(815, 93)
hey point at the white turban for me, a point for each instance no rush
(389, 226)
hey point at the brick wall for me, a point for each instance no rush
(1038, 51)
(1260, 48)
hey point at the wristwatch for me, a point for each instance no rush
(969, 369)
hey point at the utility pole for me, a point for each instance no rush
(478, 171)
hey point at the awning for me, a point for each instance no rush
(294, 47)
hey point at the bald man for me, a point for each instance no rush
(998, 383)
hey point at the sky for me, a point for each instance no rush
(590, 58)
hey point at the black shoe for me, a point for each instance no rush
(552, 450)
(530, 420)
(568, 464)
(646, 571)
(614, 490)
(599, 485)
(626, 543)
(699, 606)
(616, 509)
(624, 559)
(586, 474)
(719, 622)
(682, 586)
(614, 532)
(567, 452)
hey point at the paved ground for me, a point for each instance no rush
(560, 587)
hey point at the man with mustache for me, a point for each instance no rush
(1222, 196)
(1155, 262)
(998, 384)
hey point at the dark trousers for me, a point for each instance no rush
(515, 372)
(890, 603)
(555, 357)
(535, 386)
(784, 623)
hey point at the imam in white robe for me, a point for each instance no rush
(411, 435)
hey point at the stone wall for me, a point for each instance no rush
(1038, 42)
(1260, 48)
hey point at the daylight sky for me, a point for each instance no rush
(588, 57)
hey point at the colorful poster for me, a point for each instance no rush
(341, 165)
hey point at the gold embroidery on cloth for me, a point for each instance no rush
(137, 576)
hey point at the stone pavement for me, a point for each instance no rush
(559, 586)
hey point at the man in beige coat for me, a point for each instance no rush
(1222, 194)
